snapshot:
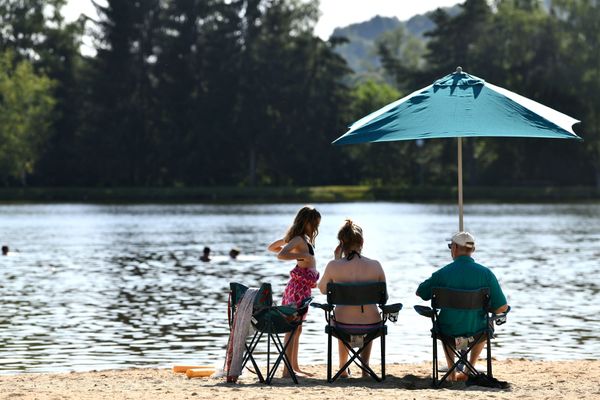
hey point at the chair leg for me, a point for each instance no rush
(462, 358)
(286, 361)
(329, 361)
(345, 367)
(489, 356)
(382, 357)
(281, 348)
(434, 373)
(249, 355)
(268, 357)
(355, 355)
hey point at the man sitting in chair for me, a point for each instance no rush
(350, 266)
(463, 274)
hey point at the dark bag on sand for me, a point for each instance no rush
(486, 381)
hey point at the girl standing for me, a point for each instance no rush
(298, 244)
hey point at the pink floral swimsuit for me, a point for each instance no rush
(302, 281)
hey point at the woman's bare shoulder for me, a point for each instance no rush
(375, 266)
(335, 267)
(371, 261)
(333, 264)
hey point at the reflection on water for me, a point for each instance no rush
(113, 286)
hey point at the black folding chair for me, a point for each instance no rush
(461, 300)
(272, 321)
(357, 294)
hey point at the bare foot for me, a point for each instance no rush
(299, 372)
(345, 374)
(460, 377)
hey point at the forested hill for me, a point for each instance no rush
(361, 53)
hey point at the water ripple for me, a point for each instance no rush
(96, 286)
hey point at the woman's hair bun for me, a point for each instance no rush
(350, 235)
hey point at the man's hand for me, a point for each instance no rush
(501, 309)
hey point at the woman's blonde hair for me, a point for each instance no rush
(306, 223)
(350, 236)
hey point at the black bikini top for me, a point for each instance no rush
(310, 249)
(351, 255)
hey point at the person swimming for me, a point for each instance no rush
(233, 253)
(205, 255)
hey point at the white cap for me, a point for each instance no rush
(464, 239)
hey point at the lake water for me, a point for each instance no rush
(113, 286)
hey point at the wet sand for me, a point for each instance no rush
(529, 379)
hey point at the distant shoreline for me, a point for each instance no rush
(314, 194)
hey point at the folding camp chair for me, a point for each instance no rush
(357, 336)
(272, 321)
(461, 346)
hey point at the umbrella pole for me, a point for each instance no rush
(460, 187)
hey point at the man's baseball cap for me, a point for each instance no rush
(464, 239)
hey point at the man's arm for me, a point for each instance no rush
(424, 289)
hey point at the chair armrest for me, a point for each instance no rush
(324, 307)
(424, 311)
(500, 319)
(390, 311)
(306, 302)
(391, 308)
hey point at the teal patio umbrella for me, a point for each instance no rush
(460, 105)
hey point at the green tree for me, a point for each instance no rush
(581, 22)
(35, 30)
(121, 132)
(26, 104)
(536, 68)
(198, 73)
(291, 94)
(402, 55)
(379, 163)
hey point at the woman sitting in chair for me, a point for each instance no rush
(350, 266)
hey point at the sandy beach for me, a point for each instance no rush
(534, 380)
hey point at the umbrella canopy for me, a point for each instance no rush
(460, 105)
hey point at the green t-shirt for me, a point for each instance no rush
(463, 274)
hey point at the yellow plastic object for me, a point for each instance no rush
(199, 372)
(184, 368)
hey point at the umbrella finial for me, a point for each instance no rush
(459, 70)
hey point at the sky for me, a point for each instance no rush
(334, 13)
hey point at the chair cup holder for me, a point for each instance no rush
(393, 317)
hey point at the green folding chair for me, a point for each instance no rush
(468, 300)
(270, 321)
(357, 336)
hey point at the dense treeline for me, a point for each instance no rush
(242, 92)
